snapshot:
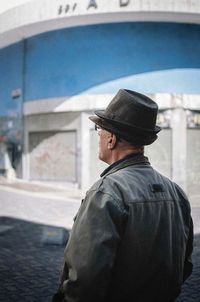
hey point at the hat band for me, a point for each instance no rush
(122, 125)
(137, 138)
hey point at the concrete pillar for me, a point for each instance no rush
(84, 152)
(179, 144)
(25, 154)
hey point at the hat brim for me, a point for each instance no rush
(100, 113)
(135, 135)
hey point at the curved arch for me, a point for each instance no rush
(40, 16)
(68, 62)
(171, 81)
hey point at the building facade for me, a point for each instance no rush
(61, 60)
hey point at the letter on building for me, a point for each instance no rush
(124, 2)
(92, 3)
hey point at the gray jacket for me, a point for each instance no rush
(131, 240)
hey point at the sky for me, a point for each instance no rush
(7, 4)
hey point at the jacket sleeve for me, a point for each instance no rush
(188, 266)
(59, 296)
(91, 249)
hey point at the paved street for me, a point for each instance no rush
(34, 225)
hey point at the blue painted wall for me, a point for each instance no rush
(149, 57)
(11, 77)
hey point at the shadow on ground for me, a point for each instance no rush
(31, 257)
(30, 260)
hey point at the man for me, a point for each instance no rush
(132, 237)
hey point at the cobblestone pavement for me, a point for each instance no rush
(33, 233)
(29, 268)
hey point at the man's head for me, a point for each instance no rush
(113, 148)
(129, 121)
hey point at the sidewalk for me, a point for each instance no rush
(43, 188)
(31, 253)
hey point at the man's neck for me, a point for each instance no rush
(139, 156)
(120, 154)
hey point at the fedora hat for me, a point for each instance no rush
(131, 116)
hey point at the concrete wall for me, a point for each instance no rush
(51, 147)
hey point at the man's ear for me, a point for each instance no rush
(112, 140)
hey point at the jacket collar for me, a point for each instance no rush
(131, 159)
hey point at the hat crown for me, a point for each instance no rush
(131, 116)
(133, 109)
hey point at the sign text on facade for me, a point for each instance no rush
(91, 4)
